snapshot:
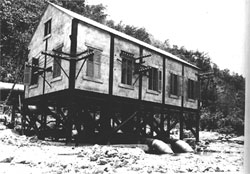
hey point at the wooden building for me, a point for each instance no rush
(104, 82)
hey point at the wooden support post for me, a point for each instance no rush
(89, 123)
(69, 123)
(138, 126)
(24, 110)
(197, 126)
(57, 118)
(198, 115)
(105, 123)
(13, 113)
(43, 120)
(111, 64)
(182, 105)
(73, 51)
(140, 123)
(181, 125)
(144, 122)
(150, 122)
(168, 124)
(140, 76)
(45, 64)
(162, 120)
(125, 121)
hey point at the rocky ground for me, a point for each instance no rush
(21, 154)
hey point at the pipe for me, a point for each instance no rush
(8, 86)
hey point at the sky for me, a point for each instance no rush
(215, 27)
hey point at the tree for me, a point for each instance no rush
(138, 33)
(19, 19)
(94, 12)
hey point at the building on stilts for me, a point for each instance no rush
(106, 85)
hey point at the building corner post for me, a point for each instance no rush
(182, 108)
(72, 74)
(73, 51)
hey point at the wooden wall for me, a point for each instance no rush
(60, 32)
(91, 36)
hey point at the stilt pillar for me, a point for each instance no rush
(168, 124)
(197, 126)
(69, 123)
(181, 125)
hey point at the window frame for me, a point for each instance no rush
(173, 84)
(127, 68)
(155, 79)
(47, 28)
(93, 67)
(34, 71)
(56, 61)
(191, 89)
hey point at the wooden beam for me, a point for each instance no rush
(55, 56)
(164, 81)
(182, 107)
(142, 57)
(124, 122)
(73, 50)
(140, 77)
(45, 64)
(111, 63)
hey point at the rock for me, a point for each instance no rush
(126, 156)
(7, 160)
(98, 171)
(33, 139)
(161, 147)
(11, 141)
(111, 153)
(96, 147)
(2, 127)
(84, 166)
(18, 128)
(102, 161)
(239, 140)
(181, 146)
(93, 158)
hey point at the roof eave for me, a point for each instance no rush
(120, 34)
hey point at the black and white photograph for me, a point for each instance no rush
(124, 87)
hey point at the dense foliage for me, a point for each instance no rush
(223, 94)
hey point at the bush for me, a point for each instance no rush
(231, 123)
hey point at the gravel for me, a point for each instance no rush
(29, 155)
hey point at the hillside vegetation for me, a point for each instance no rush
(222, 94)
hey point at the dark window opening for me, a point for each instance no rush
(191, 89)
(34, 71)
(127, 68)
(57, 63)
(94, 64)
(154, 79)
(174, 84)
(47, 28)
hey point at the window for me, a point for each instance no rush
(47, 28)
(154, 79)
(127, 67)
(27, 75)
(193, 89)
(190, 89)
(94, 64)
(173, 84)
(57, 63)
(34, 71)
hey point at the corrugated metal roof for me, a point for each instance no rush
(120, 34)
